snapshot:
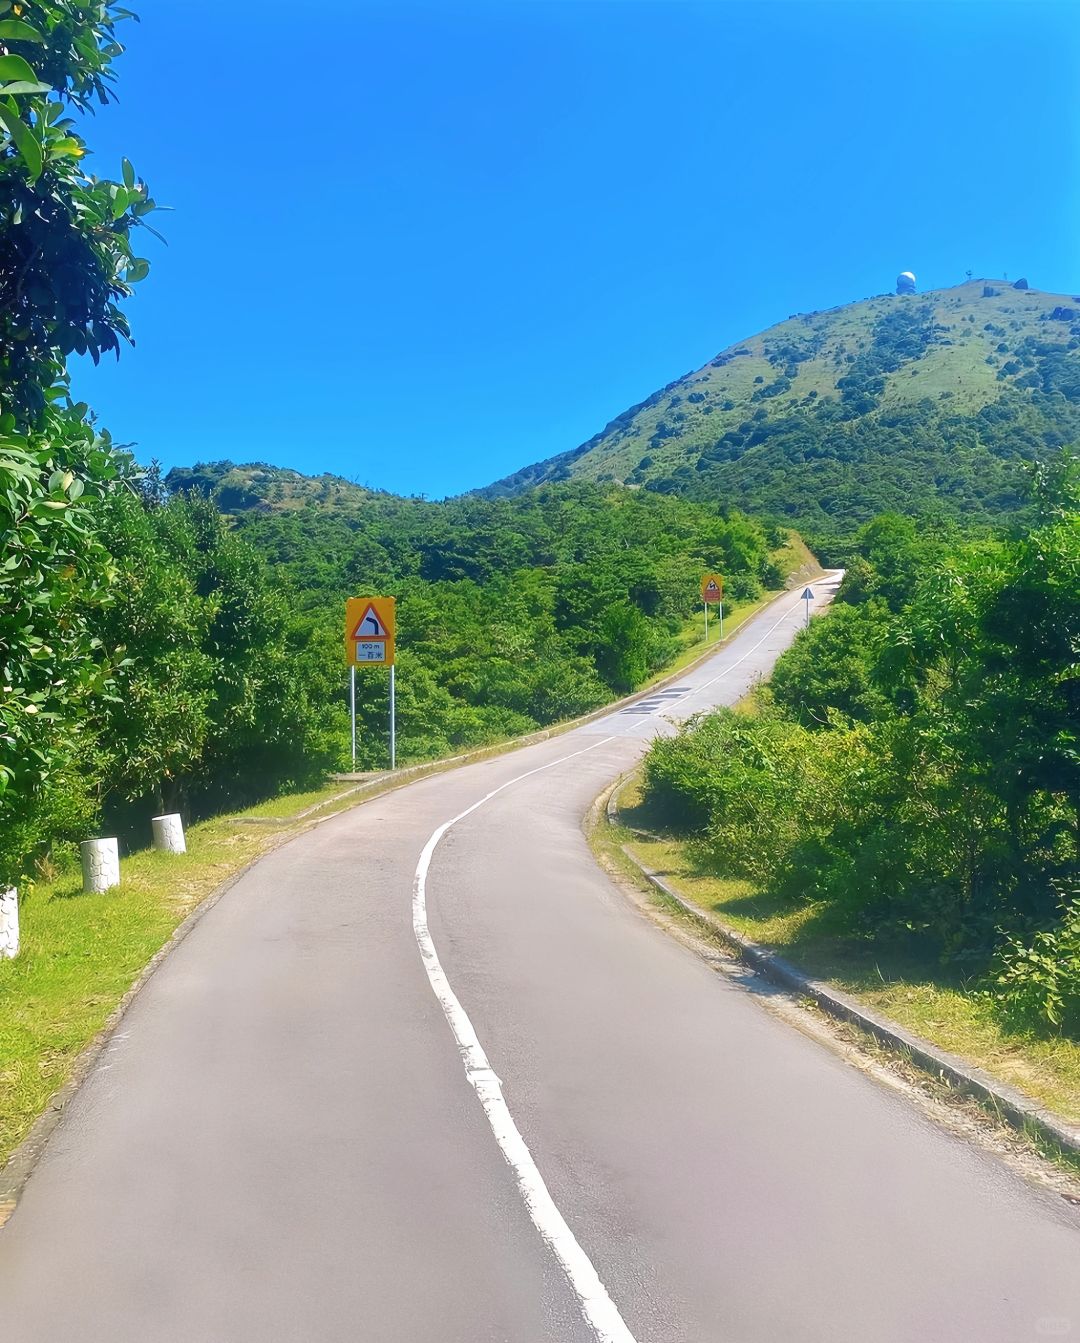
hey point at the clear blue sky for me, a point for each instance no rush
(424, 245)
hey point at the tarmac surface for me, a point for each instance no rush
(417, 1083)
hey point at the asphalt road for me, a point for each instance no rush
(285, 1140)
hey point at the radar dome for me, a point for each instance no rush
(905, 282)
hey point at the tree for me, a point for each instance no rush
(66, 262)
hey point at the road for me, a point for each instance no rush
(411, 1082)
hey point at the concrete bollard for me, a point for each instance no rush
(100, 864)
(169, 833)
(9, 923)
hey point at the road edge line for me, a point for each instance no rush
(597, 1307)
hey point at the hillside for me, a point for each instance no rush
(264, 488)
(512, 613)
(927, 403)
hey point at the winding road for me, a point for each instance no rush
(425, 1076)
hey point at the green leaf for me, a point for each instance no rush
(137, 270)
(23, 86)
(25, 142)
(14, 67)
(16, 30)
(68, 146)
(129, 173)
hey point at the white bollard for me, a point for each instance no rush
(100, 864)
(9, 922)
(169, 833)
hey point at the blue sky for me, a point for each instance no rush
(421, 246)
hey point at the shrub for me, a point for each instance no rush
(1037, 983)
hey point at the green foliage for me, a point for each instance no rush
(66, 262)
(624, 647)
(512, 613)
(54, 572)
(919, 768)
(752, 787)
(218, 695)
(1037, 981)
(834, 670)
(66, 253)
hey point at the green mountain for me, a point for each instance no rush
(924, 403)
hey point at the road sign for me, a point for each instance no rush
(712, 588)
(369, 642)
(369, 626)
(808, 595)
(369, 631)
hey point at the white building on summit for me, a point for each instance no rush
(905, 282)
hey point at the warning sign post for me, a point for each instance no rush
(369, 631)
(370, 624)
(712, 592)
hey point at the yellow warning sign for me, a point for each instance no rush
(369, 631)
(712, 588)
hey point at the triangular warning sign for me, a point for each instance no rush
(712, 586)
(370, 626)
(807, 596)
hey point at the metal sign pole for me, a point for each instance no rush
(393, 719)
(807, 612)
(721, 604)
(352, 711)
(706, 606)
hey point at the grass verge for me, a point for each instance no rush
(919, 994)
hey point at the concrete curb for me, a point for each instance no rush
(1011, 1104)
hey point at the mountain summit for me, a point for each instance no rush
(926, 403)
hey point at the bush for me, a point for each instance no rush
(1037, 983)
(753, 788)
(743, 588)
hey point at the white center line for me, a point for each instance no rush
(599, 1310)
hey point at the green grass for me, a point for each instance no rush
(289, 805)
(692, 636)
(917, 993)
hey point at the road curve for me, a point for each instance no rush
(420, 1082)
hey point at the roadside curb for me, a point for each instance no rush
(1008, 1102)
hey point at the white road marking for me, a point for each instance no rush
(599, 1310)
(697, 690)
(776, 625)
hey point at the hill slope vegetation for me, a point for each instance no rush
(927, 404)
